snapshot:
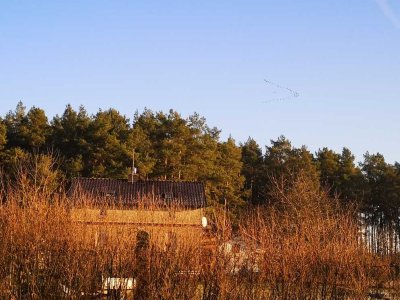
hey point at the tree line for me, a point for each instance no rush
(168, 146)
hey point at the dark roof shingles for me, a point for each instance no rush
(187, 194)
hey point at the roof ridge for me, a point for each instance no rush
(145, 180)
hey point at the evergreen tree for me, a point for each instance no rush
(110, 140)
(229, 181)
(168, 146)
(383, 188)
(252, 159)
(3, 134)
(351, 181)
(144, 152)
(69, 137)
(284, 162)
(329, 166)
(34, 129)
(202, 150)
(173, 145)
(28, 131)
(303, 160)
(13, 122)
(340, 174)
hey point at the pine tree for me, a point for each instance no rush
(383, 187)
(110, 140)
(144, 152)
(69, 137)
(252, 159)
(329, 166)
(229, 181)
(3, 134)
(350, 180)
(283, 162)
(13, 121)
(35, 129)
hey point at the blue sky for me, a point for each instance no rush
(212, 57)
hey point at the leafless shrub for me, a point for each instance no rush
(306, 246)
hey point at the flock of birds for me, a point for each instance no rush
(291, 93)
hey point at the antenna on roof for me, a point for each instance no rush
(134, 170)
(134, 176)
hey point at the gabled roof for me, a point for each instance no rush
(130, 194)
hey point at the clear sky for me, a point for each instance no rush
(341, 56)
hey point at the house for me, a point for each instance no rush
(108, 208)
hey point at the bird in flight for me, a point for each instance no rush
(292, 93)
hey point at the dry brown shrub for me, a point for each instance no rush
(306, 246)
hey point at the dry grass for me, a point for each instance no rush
(305, 247)
(44, 251)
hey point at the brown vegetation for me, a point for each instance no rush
(305, 246)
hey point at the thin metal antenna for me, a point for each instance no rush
(133, 162)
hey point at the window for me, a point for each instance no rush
(103, 212)
(167, 197)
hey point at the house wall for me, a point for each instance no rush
(185, 217)
(98, 226)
